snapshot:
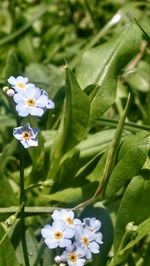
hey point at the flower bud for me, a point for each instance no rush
(10, 92)
(10, 221)
(5, 89)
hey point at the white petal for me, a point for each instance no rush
(36, 111)
(18, 97)
(11, 80)
(94, 247)
(22, 110)
(64, 243)
(42, 101)
(22, 79)
(51, 243)
(32, 142)
(24, 143)
(50, 105)
(46, 231)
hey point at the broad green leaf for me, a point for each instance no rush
(32, 249)
(132, 156)
(7, 253)
(73, 123)
(147, 257)
(7, 197)
(139, 79)
(70, 195)
(12, 67)
(106, 229)
(102, 65)
(142, 230)
(134, 206)
(68, 165)
(95, 143)
(5, 154)
(26, 49)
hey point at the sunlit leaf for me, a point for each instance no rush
(7, 253)
(102, 65)
(134, 205)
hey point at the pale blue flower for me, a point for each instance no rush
(26, 135)
(73, 256)
(31, 102)
(50, 104)
(57, 234)
(18, 84)
(92, 224)
(86, 239)
(67, 216)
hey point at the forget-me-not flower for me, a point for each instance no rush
(73, 256)
(86, 239)
(67, 216)
(26, 135)
(19, 83)
(57, 234)
(31, 101)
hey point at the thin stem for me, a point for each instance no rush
(22, 212)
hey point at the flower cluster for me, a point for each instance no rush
(76, 239)
(29, 100)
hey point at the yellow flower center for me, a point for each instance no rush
(30, 102)
(72, 257)
(26, 135)
(58, 235)
(85, 241)
(20, 85)
(69, 220)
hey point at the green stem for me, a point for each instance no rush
(22, 212)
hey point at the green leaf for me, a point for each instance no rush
(147, 256)
(7, 197)
(95, 143)
(134, 206)
(102, 65)
(131, 159)
(32, 249)
(7, 253)
(142, 230)
(73, 123)
(70, 195)
(68, 164)
(12, 67)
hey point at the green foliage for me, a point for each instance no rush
(93, 151)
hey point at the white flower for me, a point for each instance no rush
(86, 239)
(73, 256)
(57, 235)
(92, 224)
(30, 102)
(67, 216)
(18, 84)
(26, 135)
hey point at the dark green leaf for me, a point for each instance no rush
(131, 159)
(74, 121)
(12, 67)
(102, 65)
(134, 205)
(7, 253)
